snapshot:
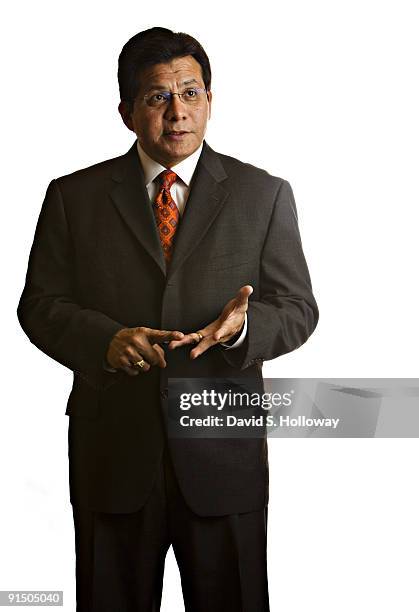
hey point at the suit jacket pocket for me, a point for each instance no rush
(84, 401)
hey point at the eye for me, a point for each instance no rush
(159, 97)
(191, 93)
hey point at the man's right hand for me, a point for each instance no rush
(136, 344)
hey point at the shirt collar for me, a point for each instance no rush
(183, 169)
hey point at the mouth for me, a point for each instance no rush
(175, 135)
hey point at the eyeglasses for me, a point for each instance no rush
(191, 96)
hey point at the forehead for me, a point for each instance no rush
(175, 71)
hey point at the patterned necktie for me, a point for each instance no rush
(166, 213)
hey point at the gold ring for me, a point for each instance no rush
(201, 337)
(140, 363)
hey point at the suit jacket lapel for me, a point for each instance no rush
(131, 198)
(206, 198)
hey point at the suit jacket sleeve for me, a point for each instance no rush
(48, 311)
(282, 310)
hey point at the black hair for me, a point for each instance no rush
(156, 46)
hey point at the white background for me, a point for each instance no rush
(324, 94)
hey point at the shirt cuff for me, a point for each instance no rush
(239, 340)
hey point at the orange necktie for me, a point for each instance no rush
(166, 213)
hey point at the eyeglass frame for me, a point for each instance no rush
(173, 93)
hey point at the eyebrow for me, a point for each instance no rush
(162, 87)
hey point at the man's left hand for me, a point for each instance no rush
(228, 324)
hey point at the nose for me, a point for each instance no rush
(176, 109)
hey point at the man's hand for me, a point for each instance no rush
(228, 324)
(139, 344)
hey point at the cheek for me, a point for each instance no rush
(150, 128)
(201, 119)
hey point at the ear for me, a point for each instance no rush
(126, 115)
(209, 98)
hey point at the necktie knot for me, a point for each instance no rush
(167, 178)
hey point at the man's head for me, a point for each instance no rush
(152, 65)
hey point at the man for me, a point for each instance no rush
(171, 261)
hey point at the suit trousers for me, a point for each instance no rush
(120, 557)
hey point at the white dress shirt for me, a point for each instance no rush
(184, 170)
(179, 192)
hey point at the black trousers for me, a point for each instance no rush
(120, 557)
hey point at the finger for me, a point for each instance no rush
(191, 338)
(130, 371)
(141, 344)
(132, 354)
(143, 341)
(130, 367)
(227, 330)
(126, 366)
(203, 346)
(162, 335)
(223, 335)
(160, 352)
(154, 355)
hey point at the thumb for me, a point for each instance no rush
(242, 297)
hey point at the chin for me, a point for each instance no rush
(180, 152)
